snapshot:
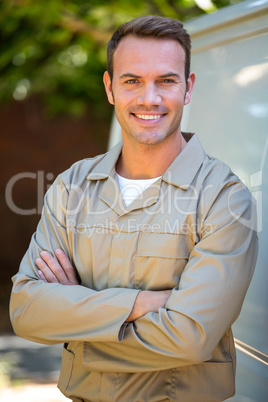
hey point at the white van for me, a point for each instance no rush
(229, 112)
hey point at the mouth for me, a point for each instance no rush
(148, 117)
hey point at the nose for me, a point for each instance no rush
(149, 96)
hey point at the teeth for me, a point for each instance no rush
(148, 117)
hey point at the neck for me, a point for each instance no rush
(142, 161)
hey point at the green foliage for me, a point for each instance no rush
(57, 48)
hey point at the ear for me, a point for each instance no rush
(108, 87)
(189, 89)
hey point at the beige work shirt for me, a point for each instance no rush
(192, 231)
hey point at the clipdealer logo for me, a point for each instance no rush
(40, 179)
(183, 203)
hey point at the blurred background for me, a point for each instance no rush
(53, 112)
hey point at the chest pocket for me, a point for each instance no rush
(160, 260)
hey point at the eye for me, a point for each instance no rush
(168, 81)
(132, 81)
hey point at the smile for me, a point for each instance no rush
(148, 117)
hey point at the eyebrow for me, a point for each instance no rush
(169, 74)
(126, 75)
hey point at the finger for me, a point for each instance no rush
(54, 267)
(67, 266)
(41, 275)
(46, 272)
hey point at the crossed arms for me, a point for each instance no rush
(61, 271)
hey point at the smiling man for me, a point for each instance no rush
(148, 88)
(143, 256)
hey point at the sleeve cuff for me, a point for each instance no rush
(122, 329)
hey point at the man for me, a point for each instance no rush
(143, 256)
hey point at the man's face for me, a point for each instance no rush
(149, 89)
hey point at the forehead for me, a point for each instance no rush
(144, 54)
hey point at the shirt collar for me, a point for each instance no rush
(103, 169)
(183, 169)
(180, 173)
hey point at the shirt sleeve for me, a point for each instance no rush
(206, 302)
(54, 313)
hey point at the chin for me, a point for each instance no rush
(149, 139)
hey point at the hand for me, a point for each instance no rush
(54, 270)
(148, 301)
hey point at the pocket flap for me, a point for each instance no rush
(164, 245)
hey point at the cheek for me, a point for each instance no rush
(180, 99)
(124, 99)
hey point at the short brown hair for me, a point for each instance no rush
(151, 27)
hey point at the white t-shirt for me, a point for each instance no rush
(131, 189)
